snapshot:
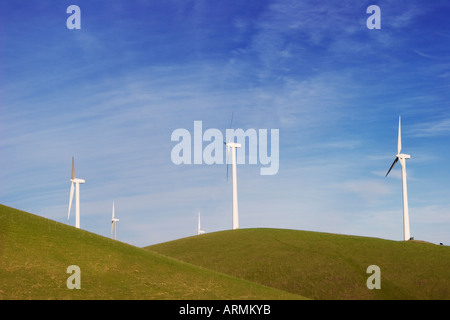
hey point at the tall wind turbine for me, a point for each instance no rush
(114, 224)
(199, 231)
(233, 146)
(77, 182)
(402, 157)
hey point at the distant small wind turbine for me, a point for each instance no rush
(199, 231)
(402, 157)
(77, 182)
(114, 224)
(233, 146)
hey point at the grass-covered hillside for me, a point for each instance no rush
(320, 265)
(235, 264)
(35, 253)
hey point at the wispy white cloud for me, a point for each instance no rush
(369, 190)
(440, 127)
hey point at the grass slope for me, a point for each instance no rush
(320, 265)
(35, 253)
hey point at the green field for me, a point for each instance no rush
(320, 265)
(267, 264)
(35, 253)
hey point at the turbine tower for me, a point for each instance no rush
(402, 157)
(199, 231)
(77, 182)
(114, 224)
(233, 146)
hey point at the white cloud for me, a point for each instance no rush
(440, 127)
(368, 190)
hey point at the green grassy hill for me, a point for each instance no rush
(320, 265)
(35, 253)
(236, 264)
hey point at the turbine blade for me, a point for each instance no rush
(73, 169)
(228, 160)
(227, 172)
(231, 126)
(112, 224)
(393, 164)
(70, 201)
(229, 139)
(399, 146)
(113, 211)
(231, 123)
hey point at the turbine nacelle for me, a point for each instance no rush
(233, 145)
(77, 180)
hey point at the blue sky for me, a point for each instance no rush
(111, 94)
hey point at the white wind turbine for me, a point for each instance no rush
(199, 230)
(233, 146)
(402, 157)
(114, 224)
(77, 182)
